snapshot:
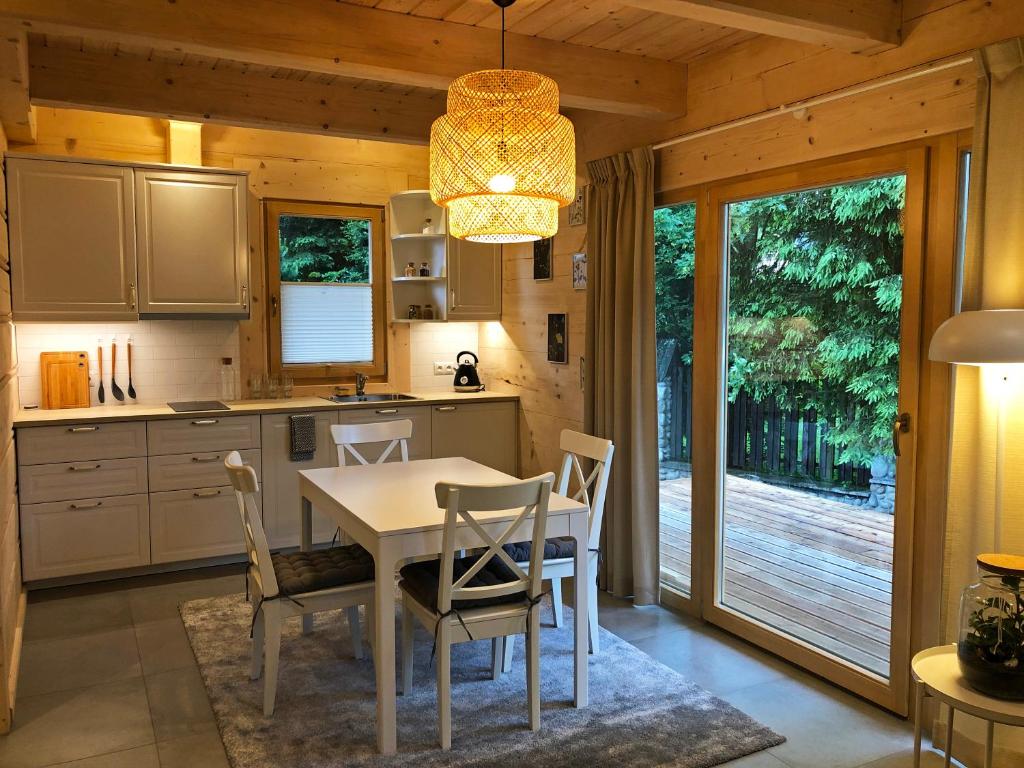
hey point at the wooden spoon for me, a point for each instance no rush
(100, 394)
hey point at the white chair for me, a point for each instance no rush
(348, 436)
(481, 596)
(558, 553)
(294, 584)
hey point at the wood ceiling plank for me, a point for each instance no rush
(611, 25)
(16, 113)
(354, 41)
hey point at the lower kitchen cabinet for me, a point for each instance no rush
(85, 536)
(483, 432)
(192, 524)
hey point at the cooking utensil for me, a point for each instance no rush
(466, 377)
(100, 394)
(64, 379)
(131, 388)
(115, 390)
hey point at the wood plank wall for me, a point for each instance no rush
(12, 594)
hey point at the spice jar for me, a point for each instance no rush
(410, 270)
(428, 312)
(424, 270)
(414, 311)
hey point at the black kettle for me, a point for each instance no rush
(466, 377)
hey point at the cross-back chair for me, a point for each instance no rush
(352, 439)
(484, 596)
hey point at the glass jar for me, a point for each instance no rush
(227, 379)
(424, 270)
(990, 645)
(410, 270)
(428, 311)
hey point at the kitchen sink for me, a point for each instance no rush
(388, 398)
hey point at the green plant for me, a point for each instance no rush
(320, 249)
(996, 633)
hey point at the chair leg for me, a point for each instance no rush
(444, 685)
(408, 627)
(256, 661)
(354, 630)
(556, 602)
(533, 670)
(509, 651)
(273, 621)
(497, 656)
(595, 643)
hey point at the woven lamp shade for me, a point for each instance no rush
(502, 160)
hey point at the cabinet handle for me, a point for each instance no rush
(205, 494)
(205, 422)
(453, 298)
(245, 297)
(387, 410)
(76, 430)
(86, 506)
(205, 459)
(133, 296)
(83, 468)
(446, 408)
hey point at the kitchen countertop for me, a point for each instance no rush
(37, 417)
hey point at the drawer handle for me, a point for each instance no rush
(387, 410)
(83, 429)
(205, 422)
(86, 506)
(205, 459)
(446, 408)
(205, 494)
(83, 467)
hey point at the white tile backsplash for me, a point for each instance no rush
(442, 342)
(171, 359)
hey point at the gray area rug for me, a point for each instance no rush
(641, 713)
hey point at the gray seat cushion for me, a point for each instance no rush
(554, 549)
(299, 572)
(421, 581)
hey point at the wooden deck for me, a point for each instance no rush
(813, 568)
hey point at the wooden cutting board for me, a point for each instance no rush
(64, 377)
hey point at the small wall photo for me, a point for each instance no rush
(558, 338)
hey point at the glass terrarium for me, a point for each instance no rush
(990, 646)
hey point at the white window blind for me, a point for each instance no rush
(326, 323)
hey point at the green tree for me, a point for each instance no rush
(318, 249)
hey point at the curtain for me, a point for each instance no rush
(986, 397)
(620, 399)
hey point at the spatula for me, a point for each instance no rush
(100, 394)
(131, 388)
(115, 390)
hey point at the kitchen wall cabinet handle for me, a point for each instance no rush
(446, 408)
(387, 410)
(453, 298)
(205, 422)
(133, 296)
(76, 430)
(86, 506)
(83, 467)
(205, 494)
(205, 459)
(245, 297)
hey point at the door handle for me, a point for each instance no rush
(76, 430)
(205, 494)
(205, 459)
(900, 426)
(446, 408)
(245, 297)
(86, 506)
(132, 300)
(83, 468)
(387, 410)
(205, 422)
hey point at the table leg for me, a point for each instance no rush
(918, 714)
(384, 631)
(306, 545)
(578, 530)
(949, 736)
(989, 738)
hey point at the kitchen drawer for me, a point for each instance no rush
(194, 470)
(419, 445)
(82, 479)
(204, 434)
(187, 525)
(65, 538)
(80, 442)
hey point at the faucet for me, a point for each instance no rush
(360, 384)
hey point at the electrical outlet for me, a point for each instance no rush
(443, 369)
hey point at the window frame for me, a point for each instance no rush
(326, 372)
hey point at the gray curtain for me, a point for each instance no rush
(620, 399)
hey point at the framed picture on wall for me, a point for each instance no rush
(558, 338)
(542, 250)
(578, 208)
(579, 271)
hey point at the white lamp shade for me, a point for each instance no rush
(988, 336)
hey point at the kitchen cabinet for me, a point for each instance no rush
(192, 243)
(72, 236)
(483, 432)
(474, 281)
(193, 524)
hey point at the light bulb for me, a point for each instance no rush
(502, 183)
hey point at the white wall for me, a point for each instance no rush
(171, 359)
(441, 342)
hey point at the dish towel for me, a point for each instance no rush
(303, 436)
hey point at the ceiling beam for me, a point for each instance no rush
(858, 26)
(360, 42)
(136, 86)
(16, 114)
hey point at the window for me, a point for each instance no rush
(325, 264)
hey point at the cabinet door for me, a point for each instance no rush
(193, 524)
(483, 432)
(281, 503)
(419, 444)
(474, 281)
(192, 243)
(72, 240)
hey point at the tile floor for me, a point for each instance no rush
(108, 680)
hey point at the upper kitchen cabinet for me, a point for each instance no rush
(107, 241)
(474, 281)
(192, 243)
(72, 229)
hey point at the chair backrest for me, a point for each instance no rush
(348, 436)
(592, 487)
(467, 501)
(244, 481)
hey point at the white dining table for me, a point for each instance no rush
(391, 510)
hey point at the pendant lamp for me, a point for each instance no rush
(502, 159)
